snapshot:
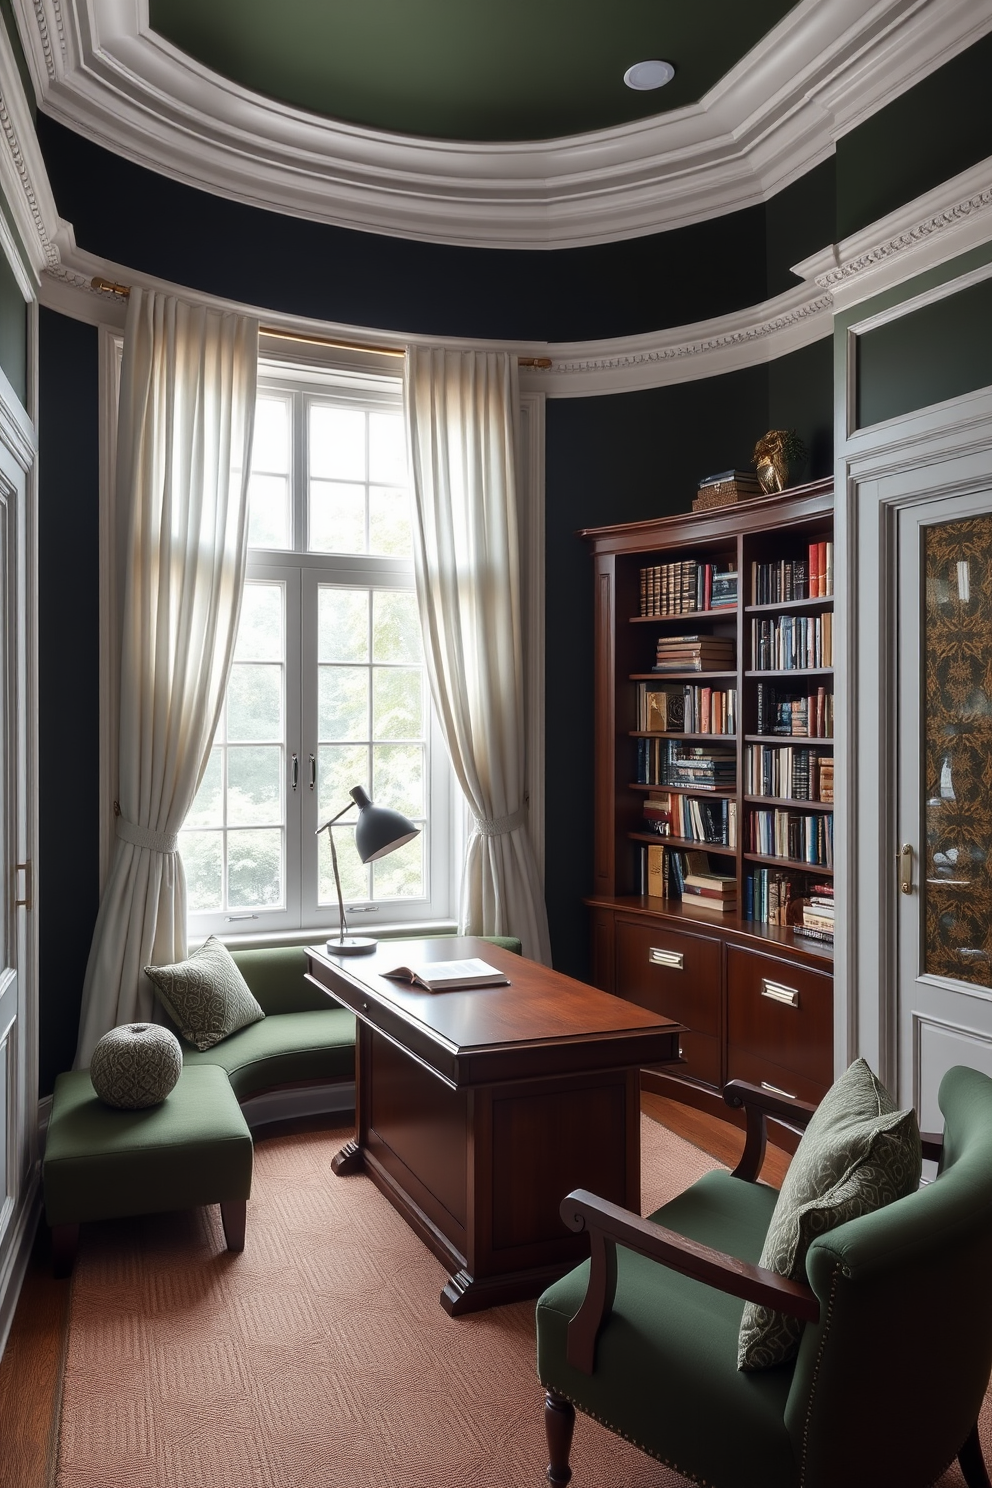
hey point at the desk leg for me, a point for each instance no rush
(349, 1160)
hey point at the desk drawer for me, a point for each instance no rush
(670, 972)
(779, 1014)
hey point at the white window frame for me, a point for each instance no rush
(303, 571)
(308, 352)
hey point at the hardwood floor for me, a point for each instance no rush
(31, 1367)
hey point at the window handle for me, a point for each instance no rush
(296, 770)
(313, 771)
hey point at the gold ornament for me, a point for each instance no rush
(780, 451)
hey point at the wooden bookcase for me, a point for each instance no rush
(755, 996)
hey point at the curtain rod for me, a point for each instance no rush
(107, 286)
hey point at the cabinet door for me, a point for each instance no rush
(679, 975)
(779, 1024)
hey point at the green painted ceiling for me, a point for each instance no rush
(468, 69)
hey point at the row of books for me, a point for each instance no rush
(788, 771)
(693, 819)
(686, 710)
(695, 653)
(796, 715)
(683, 587)
(787, 642)
(803, 837)
(775, 896)
(690, 766)
(672, 873)
(809, 577)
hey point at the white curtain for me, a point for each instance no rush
(462, 413)
(187, 408)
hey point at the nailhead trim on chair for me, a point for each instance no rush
(816, 1371)
(648, 1451)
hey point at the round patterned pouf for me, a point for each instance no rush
(136, 1065)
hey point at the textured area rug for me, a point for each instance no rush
(320, 1357)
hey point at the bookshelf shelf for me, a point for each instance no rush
(760, 547)
(672, 734)
(792, 606)
(796, 865)
(790, 803)
(791, 672)
(689, 843)
(724, 612)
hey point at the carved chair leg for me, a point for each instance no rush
(234, 1215)
(65, 1238)
(559, 1422)
(972, 1462)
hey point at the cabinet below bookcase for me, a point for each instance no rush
(712, 899)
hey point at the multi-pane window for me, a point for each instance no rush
(328, 689)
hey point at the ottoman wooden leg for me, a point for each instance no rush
(234, 1214)
(65, 1239)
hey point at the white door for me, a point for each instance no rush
(18, 1014)
(943, 816)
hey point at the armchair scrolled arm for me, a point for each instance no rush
(609, 1225)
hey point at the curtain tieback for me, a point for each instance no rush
(163, 842)
(498, 826)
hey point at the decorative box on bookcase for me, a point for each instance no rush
(712, 898)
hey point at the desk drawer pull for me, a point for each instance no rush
(777, 1090)
(779, 993)
(674, 959)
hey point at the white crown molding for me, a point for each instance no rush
(28, 239)
(942, 224)
(98, 68)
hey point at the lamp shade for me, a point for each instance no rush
(379, 830)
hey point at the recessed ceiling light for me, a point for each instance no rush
(645, 75)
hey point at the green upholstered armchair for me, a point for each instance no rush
(895, 1353)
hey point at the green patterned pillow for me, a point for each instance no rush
(858, 1153)
(206, 996)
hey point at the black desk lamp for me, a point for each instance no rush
(378, 832)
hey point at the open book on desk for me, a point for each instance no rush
(449, 976)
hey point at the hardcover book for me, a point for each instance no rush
(449, 976)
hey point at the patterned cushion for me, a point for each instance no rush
(858, 1153)
(136, 1065)
(206, 996)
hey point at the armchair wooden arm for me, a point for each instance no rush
(608, 1225)
(760, 1104)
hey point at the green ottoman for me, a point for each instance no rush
(102, 1163)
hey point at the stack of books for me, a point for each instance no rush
(695, 653)
(711, 891)
(700, 768)
(818, 915)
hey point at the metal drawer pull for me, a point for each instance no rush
(775, 1090)
(674, 959)
(779, 993)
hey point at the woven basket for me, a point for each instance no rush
(726, 493)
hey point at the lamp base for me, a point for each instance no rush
(351, 945)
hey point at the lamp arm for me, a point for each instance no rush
(342, 922)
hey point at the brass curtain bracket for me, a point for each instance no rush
(108, 286)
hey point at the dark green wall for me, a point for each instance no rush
(68, 677)
(929, 134)
(13, 332)
(939, 351)
(133, 216)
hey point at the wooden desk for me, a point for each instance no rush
(478, 1111)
